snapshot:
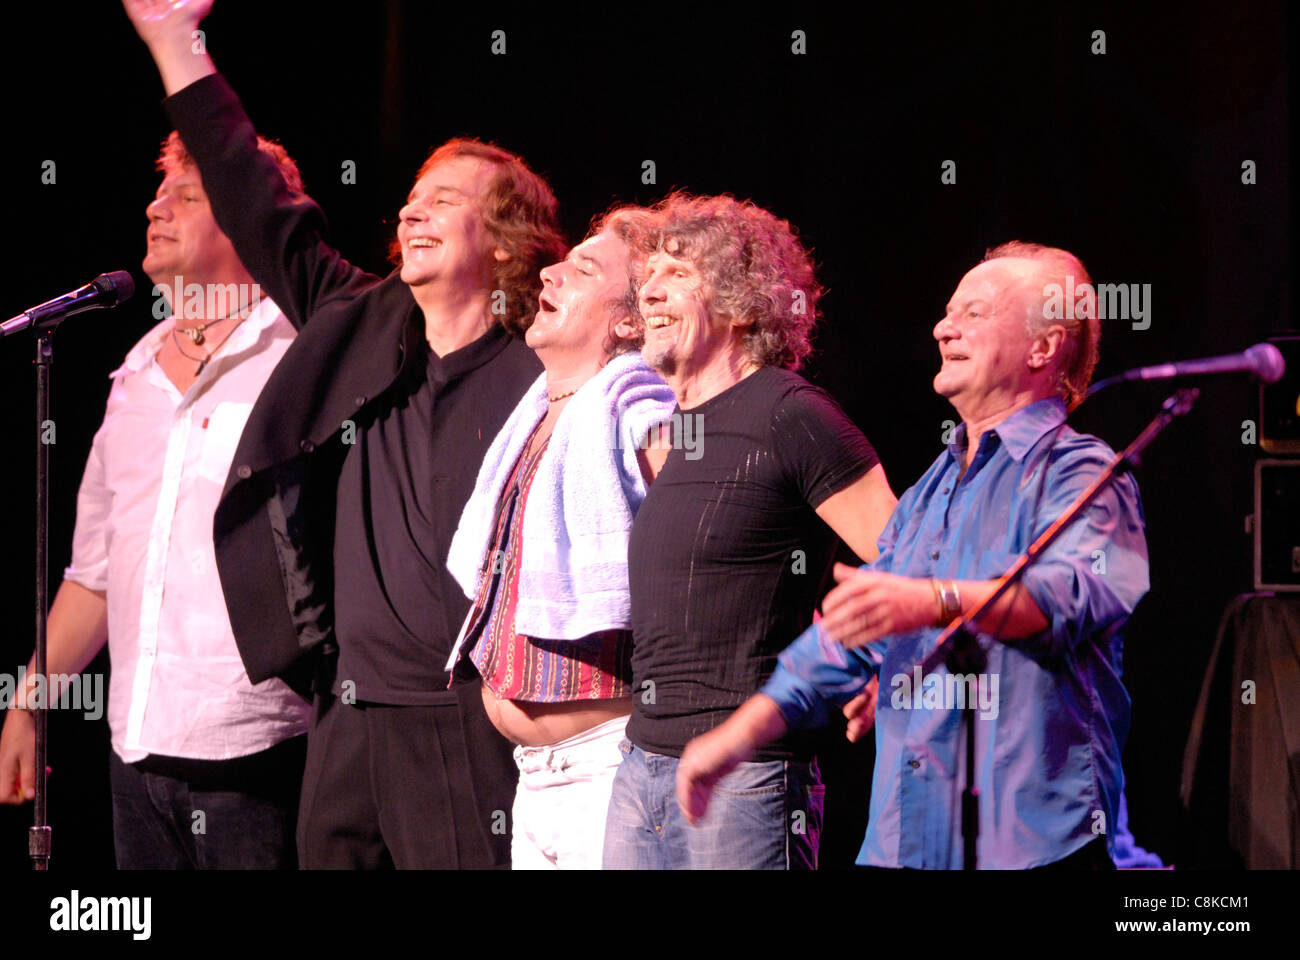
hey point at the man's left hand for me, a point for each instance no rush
(866, 606)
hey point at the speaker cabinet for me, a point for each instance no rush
(1277, 525)
(1279, 403)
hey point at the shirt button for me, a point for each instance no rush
(934, 555)
(945, 489)
(360, 401)
(307, 446)
(914, 764)
(244, 471)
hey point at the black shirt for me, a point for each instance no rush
(403, 486)
(345, 393)
(728, 558)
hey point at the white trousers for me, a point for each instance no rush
(562, 800)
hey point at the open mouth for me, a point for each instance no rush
(416, 243)
(546, 305)
(663, 320)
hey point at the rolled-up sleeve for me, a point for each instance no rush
(815, 674)
(1097, 570)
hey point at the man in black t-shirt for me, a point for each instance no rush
(730, 550)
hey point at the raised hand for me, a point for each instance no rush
(168, 29)
(160, 20)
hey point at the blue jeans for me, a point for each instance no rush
(762, 816)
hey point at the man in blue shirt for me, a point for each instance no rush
(1051, 712)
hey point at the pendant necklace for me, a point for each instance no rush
(203, 361)
(196, 333)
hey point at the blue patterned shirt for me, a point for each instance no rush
(1051, 713)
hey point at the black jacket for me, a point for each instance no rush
(273, 528)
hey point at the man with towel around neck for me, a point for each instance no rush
(542, 550)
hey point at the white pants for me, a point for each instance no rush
(562, 800)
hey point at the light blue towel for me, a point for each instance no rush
(588, 487)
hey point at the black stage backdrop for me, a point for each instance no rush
(1132, 158)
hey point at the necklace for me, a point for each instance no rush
(561, 396)
(534, 445)
(203, 361)
(196, 333)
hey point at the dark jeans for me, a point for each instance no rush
(175, 814)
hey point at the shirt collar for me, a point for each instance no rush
(146, 349)
(1020, 431)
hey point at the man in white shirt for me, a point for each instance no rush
(205, 767)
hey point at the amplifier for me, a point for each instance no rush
(1277, 525)
(1279, 403)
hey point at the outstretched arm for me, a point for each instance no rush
(1067, 596)
(169, 29)
(867, 606)
(278, 234)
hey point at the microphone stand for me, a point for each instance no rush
(960, 650)
(44, 320)
(39, 835)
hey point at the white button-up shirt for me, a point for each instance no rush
(144, 535)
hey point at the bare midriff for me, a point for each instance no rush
(541, 724)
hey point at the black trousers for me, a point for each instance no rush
(406, 787)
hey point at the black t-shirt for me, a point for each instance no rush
(728, 558)
(403, 486)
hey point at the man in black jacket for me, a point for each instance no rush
(345, 490)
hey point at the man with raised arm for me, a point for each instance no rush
(1051, 711)
(205, 767)
(732, 546)
(338, 513)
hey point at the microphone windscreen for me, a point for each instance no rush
(1268, 362)
(117, 284)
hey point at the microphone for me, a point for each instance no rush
(1263, 360)
(106, 290)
